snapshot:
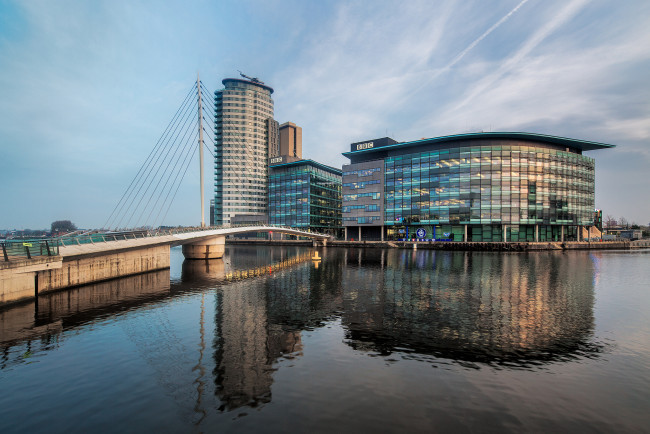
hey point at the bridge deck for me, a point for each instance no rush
(99, 248)
(115, 246)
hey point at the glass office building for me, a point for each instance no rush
(473, 187)
(305, 194)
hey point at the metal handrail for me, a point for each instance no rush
(29, 248)
(103, 237)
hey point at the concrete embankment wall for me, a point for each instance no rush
(84, 269)
(23, 280)
(18, 276)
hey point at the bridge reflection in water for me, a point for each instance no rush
(471, 309)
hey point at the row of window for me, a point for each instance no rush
(368, 208)
(363, 172)
(356, 196)
(360, 184)
(363, 220)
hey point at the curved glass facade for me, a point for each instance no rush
(483, 189)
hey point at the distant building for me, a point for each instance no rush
(243, 133)
(598, 219)
(290, 140)
(497, 186)
(631, 234)
(305, 194)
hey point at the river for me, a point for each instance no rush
(268, 340)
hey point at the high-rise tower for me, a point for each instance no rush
(290, 140)
(242, 112)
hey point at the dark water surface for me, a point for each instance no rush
(361, 341)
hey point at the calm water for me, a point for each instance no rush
(364, 340)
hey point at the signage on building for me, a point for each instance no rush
(372, 144)
(275, 160)
(366, 145)
(446, 234)
(421, 233)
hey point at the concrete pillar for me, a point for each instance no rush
(359, 233)
(345, 233)
(505, 232)
(465, 235)
(562, 233)
(536, 233)
(579, 233)
(212, 248)
(382, 232)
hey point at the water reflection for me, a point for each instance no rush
(473, 309)
(38, 326)
(258, 324)
(203, 269)
(501, 309)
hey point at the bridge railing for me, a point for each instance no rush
(28, 248)
(103, 236)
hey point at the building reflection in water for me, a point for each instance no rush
(511, 309)
(514, 310)
(260, 321)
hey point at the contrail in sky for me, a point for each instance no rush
(468, 48)
(562, 16)
(484, 35)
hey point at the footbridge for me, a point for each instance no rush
(78, 260)
(198, 243)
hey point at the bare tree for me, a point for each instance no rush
(610, 221)
(623, 222)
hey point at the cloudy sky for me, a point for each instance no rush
(87, 87)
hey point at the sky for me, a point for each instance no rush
(88, 87)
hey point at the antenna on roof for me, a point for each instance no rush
(253, 79)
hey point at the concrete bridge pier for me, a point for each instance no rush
(322, 242)
(211, 248)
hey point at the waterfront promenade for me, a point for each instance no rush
(78, 264)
